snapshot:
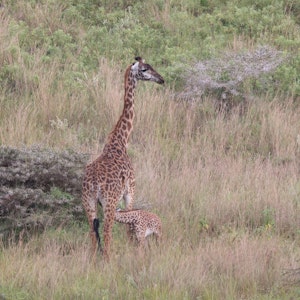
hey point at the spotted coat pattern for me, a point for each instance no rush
(110, 178)
(142, 223)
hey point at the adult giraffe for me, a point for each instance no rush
(110, 178)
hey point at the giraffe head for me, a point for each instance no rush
(143, 71)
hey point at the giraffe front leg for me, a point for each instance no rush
(129, 194)
(129, 200)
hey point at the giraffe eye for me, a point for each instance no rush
(144, 70)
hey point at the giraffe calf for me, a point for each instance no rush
(142, 224)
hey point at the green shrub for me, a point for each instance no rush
(79, 32)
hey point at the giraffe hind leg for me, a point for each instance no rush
(96, 230)
(141, 245)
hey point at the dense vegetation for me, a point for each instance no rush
(226, 184)
(74, 35)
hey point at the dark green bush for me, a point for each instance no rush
(169, 34)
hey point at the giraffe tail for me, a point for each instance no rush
(96, 229)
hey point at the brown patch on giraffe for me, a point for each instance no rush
(127, 116)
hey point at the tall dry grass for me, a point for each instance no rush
(59, 266)
(226, 187)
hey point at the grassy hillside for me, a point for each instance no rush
(226, 185)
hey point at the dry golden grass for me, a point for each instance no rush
(226, 187)
(59, 266)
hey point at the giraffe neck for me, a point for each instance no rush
(120, 135)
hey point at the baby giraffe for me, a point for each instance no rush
(141, 223)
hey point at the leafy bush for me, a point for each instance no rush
(172, 34)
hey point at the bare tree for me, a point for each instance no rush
(228, 73)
